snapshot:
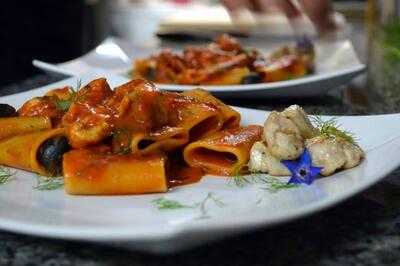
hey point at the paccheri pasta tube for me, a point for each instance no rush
(22, 151)
(95, 172)
(225, 152)
(231, 118)
(198, 118)
(164, 139)
(12, 126)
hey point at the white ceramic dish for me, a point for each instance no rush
(336, 65)
(135, 221)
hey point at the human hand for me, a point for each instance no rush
(320, 12)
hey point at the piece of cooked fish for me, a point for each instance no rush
(283, 137)
(300, 118)
(261, 160)
(333, 153)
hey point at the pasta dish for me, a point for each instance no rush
(136, 139)
(226, 62)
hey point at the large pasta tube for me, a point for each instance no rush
(165, 139)
(110, 174)
(199, 120)
(231, 118)
(12, 126)
(225, 152)
(21, 151)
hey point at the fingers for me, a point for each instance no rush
(234, 6)
(320, 13)
(288, 8)
(257, 6)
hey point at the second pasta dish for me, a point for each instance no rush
(226, 62)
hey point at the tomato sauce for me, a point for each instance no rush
(183, 175)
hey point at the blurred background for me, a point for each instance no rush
(57, 31)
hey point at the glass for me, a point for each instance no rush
(383, 24)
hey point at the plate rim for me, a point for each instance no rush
(355, 70)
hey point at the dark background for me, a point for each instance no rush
(49, 30)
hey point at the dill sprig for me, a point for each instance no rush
(5, 175)
(75, 91)
(331, 129)
(77, 86)
(49, 183)
(203, 204)
(166, 204)
(211, 196)
(64, 105)
(273, 184)
(240, 180)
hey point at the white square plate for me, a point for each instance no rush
(136, 222)
(336, 65)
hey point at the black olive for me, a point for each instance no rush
(151, 73)
(50, 154)
(304, 44)
(252, 78)
(7, 110)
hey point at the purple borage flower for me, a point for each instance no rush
(302, 169)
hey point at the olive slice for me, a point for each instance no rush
(7, 110)
(252, 78)
(50, 154)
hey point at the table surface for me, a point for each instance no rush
(364, 230)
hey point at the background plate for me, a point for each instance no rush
(336, 64)
(135, 221)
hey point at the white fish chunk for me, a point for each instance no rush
(333, 154)
(283, 137)
(261, 160)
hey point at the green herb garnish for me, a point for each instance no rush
(121, 139)
(5, 175)
(241, 180)
(238, 179)
(331, 129)
(166, 204)
(274, 184)
(48, 183)
(202, 205)
(64, 105)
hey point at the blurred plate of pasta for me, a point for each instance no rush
(336, 64)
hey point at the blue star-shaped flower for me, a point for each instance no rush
(302, 169)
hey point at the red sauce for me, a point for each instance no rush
(179, 173)
(237, 136)
(184, 175)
